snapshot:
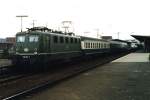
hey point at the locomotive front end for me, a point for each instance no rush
(27, 48)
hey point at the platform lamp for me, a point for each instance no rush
(21, 16)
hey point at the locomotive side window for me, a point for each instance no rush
(33, 38)
(61, 39)
(66, 39)
(76, 40)
(71, 40)
(21, 39)
(55, 39)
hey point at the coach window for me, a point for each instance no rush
(105, 45)
(88, 45)
(61, 39)
(55, 39)
(99, 45)
(85, 45)
(93, 45)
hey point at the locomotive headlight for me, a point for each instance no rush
(26, 49)
(35, 52)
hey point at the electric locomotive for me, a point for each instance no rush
(43, 45)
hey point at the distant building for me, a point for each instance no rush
(10, 40)
(2, 40)
(107, 37)
(145, 40)
(6, 44)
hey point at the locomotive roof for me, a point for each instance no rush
(90, 38)
(57, 33)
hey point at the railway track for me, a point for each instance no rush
(42, 80)
(6, 71)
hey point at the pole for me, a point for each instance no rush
(118, 34)
(21, 24)
(21, 16)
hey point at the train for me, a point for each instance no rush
(44, 45)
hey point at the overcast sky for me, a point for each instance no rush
(109, 16)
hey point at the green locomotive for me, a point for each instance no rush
(43, 45)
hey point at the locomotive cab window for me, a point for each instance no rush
(20, 38)
(33, 38)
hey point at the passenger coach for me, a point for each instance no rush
(92, 46)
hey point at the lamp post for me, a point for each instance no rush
(21, 16)
(118, 34)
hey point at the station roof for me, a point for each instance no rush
(120, 40)
(141, 38)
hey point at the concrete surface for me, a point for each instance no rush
(127, 78)
(134, 57)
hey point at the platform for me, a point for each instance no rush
(127, 78)
(5, 62)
